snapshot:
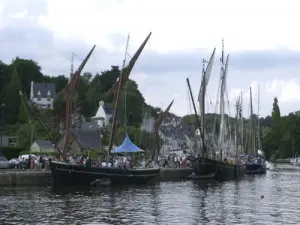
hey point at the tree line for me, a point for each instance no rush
(279, 134)
(90, 89)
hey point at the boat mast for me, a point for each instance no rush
(252, 134)
(224, 68)
(196, 114)
(242, 124)
(201, 97)
(32, 113)
(119, 85)
(157, 124)
(236, 127)
(69, 91)
(115, 114)
(202, 105)
(258, 121)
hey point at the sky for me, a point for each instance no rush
(260, 37)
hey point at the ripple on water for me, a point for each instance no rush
(235, 202)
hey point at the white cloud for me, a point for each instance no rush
(287, 91)
(184, 32)
(177, 24)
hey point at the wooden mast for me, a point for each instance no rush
(252, 134)
(196, 114)
(124, 76)
(69, 90)
(158, 122)
(33, 113)
(201, 97)
(127, 70)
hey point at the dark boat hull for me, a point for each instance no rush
(222, 171)
(67, 174)
(256, 168)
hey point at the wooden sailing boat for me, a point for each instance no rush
(205, 164)
(68, 174)
(256, 163)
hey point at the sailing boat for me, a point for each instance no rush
(256, 163)
(68, 174)
(222, 168)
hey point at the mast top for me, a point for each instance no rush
(222, 57)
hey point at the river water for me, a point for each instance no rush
(273, 198)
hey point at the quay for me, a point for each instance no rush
(25, 177)
(43, 177)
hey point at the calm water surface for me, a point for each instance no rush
(188, 202)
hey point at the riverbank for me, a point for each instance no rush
(25, 177)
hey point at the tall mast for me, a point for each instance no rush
(119, 84)
(222, 101)
(236, 127)
(201, 97)
(258, 122)
(115, 114)
(196, 114)
(72, 65)
(252, 140)
(69, 91)
(202, 106)
(242, 124)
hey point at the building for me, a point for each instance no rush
(104, 114)
(11, 141)
(43, 94)
(42, 146)
(148, 124)
(83, 138)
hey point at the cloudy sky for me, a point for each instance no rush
(260, 37)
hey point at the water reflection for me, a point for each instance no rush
(189, 202)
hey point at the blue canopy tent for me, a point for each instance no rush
(127, 147)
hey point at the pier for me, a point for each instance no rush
(25, 177)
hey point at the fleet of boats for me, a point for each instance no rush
(218, 155)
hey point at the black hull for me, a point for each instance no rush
(67, 174)
(223, 171)
(256, 168)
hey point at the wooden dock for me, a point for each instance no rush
(25, 177)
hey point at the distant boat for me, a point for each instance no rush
(221, 168)
(256, 163)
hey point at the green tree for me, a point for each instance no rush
(11, 98)
(27, 70)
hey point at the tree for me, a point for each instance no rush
(28, 71)
(11, 98)
(275, 111)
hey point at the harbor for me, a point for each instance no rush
(44, 177)
(257, 199)
(25, 177)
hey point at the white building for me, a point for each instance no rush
(42, 146)
(43, 94)
(103, 114)
(148, 124)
